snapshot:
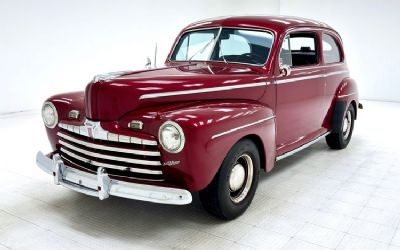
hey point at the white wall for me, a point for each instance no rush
(48, 46)
(370, 34)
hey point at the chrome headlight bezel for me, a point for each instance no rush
(51, 105)
(178, 129)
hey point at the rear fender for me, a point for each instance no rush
(347, 92)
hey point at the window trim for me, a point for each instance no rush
(317, 48)
(220, 29)
(337, 44)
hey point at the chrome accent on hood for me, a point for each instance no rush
(202, 90)
(109, 75)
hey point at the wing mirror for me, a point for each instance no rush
(285, 70)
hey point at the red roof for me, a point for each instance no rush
(277, 23)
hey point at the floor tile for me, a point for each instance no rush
(320, 236)
(316, 199)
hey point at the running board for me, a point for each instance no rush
(287, 154)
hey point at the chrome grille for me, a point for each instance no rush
(122, 159)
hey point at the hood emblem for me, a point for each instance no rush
(109, 76)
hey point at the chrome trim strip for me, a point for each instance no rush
(94, 130)
(295, 79)
(112, 166)
(299, 68)
(203, 90)
(89, 184)
(341, 96)
(109, 157)
(241, 127)
(108, 148)
(287, 154)
(336, 72)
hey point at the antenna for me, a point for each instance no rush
(155, 57)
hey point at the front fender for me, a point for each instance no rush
(211, 129)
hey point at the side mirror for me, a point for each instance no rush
(148, 63)
(285, 70)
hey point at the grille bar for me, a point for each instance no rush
(106, 165)
(108, 148)
(96, 131)
(109, 157)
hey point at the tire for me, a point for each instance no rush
(233, 187)
(340, 138)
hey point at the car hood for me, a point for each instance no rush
(110, 96)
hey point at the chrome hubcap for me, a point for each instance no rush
(241, 178)
(237, 177)
(346, 127)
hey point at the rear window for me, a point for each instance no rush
(331, 51)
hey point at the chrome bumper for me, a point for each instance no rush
(100, 185)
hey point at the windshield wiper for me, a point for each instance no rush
(203, 48)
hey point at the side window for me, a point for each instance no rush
(330, 49)
(299, 49)
(286, 56)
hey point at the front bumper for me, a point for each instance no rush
(102, 186)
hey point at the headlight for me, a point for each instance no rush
(49, 115)
(171, 137)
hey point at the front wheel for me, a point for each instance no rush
(340, 139)
(233, 187)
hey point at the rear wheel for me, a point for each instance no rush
(341, 138)
(233, 187)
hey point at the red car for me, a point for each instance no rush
(236, 94)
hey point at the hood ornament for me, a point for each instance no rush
(109, 76)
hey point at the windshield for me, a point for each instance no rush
(227, 45)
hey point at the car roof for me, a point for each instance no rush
(276, 23)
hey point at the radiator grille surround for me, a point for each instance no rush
(134, 160)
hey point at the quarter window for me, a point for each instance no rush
(331, 49)
(299, 49)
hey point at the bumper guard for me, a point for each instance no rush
(102, 186)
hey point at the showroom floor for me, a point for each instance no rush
(316, 199)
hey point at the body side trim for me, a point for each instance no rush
(346, 95)
(287, 154)
(241, 127)
(295, 79)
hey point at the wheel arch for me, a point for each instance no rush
(260, 146)
(354, 103)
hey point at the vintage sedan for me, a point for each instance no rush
(236, 95)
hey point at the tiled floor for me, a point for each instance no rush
(316, 199)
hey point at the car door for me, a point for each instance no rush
(299, 94)
(335, 72)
